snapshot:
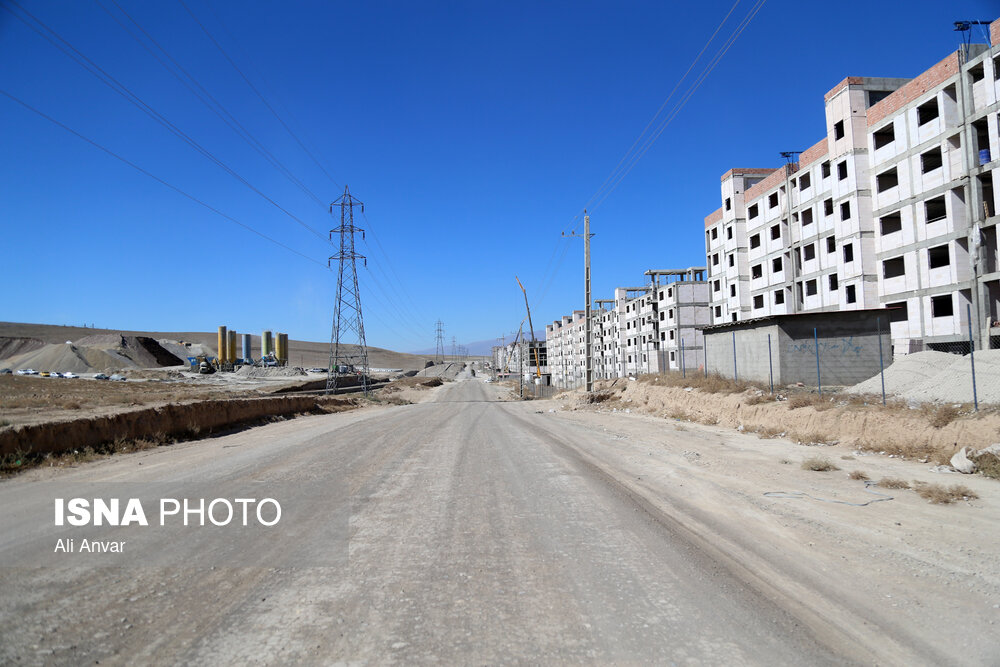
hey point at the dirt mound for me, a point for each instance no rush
(938, 377)
(11, 347)
(63, 358)
(186, 349)
(270, 371)
(146, 352)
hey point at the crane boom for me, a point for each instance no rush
(531, 327)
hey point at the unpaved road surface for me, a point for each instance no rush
(480, 531)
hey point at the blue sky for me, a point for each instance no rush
(475, 132)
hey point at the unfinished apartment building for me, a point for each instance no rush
(800, 238)
(642, 330)
(934, 150)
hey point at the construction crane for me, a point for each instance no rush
(531, 328)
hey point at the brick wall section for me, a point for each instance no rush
(777, 176)
(849, 81)
(995, 33)
(928, 80)
(745, 171)
(818, 150)
(713, 217)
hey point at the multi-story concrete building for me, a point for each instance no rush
(895, 207)
(934, 151)
(682, 306)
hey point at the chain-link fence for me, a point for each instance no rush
(828, 359)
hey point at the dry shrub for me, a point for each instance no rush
(941, 415)
(893, 483)
(801, 401)
(942, 495)
(857, 474)
(757, 399)
(912, 450)
(768, 432)
(599, 397)
(713, 384)
(988, 465)
(819, 464)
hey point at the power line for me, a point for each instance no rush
(156, 178)
(94, 69)
(211, 102)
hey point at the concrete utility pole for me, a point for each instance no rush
(587, 325)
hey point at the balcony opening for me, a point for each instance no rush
(734, 317)
(779, 297)
(930, 160)
(715, 233)
(897, 311)
(772, 200)
(729, 204)
(825, 169)
(757, 271)
(888, 179)
(752, 211)
(833, 282)
(845, 211)
(776, 265)
(732, 290)
(842, 171)
(755, 241)
(831, 244)
(938, 256)
(884, 136)
(811, 287)
(981, 131)
(807, 217)
(927, 112)
(828, 207)
(942, 306)
(804, 181)
(729, 232)
(876, 96)
(758, 302)
(935, 209)
(809, 252)
(838, 130)
(775, 232)
(893, 268)
(890, 224)
(732, 260)
(850, 293)
(985, 182)
(848, 252)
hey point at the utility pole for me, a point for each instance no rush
(453, 348)
(586, 278)
(439, 347)
(347, 309)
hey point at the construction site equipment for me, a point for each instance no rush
(231, 347)
(281, 348)
(266, 344)
(223, 343)
(531, 328)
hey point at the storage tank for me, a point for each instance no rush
(284, 347)
(281, 348)
(265, 344)
(246, 348)
(231, 348)
(223, 343)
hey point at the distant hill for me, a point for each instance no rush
(480, 348)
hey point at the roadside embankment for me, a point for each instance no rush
(933, 433)
(171, 420)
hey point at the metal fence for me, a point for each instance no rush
(828, 361)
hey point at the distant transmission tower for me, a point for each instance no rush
(439, 350)
(453, 347)
(348, 356)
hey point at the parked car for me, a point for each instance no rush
(117, 377)
(5, 371)
(100, 376)
(27, 371)
(71, 375)
(45, 374)
(55, 374)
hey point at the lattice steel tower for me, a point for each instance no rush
(439, 350)
(347, 320)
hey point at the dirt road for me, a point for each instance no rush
(480, 532)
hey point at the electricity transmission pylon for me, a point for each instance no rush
(347, 321)
(439, 350)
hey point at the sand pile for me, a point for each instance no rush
(270, 371)
(186, 349)
(145, 352)
(91, 354)
(938, 377)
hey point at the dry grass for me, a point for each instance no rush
(910, 450)
(988, 465)
(802, 400)
(768, 432)
(712, 384)
(857, 474)
(819, 464)
(942, 495)
(599, 396)
(940, 416)
(893, 483)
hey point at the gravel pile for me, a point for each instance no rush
(938, 377)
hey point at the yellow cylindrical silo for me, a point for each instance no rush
(265, 344)
(231, 347)
(279, 351)
(223, 344)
